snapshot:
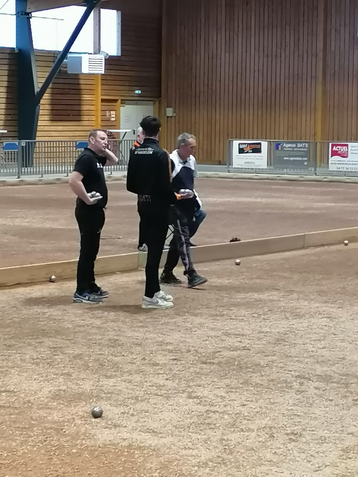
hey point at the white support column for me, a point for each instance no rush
(97, 30)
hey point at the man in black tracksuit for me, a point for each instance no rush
(142, 246)
(149, 177)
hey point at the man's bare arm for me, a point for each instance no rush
(112, 159)
(78, 188)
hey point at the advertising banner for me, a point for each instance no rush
(291, 155)
(343, 157)
(249, 154)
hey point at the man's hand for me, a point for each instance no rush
(112, 159)
(185, 194)
(93, 197)
(78, 188)
(93, 200)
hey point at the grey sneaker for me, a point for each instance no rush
(156, 302)
(143, 248)
(86, 298)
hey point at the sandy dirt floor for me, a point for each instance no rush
(37, 223)
(254, 375)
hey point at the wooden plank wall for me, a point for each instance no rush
(8, 93)
(139, 66)
(341, 67)
(142, 8)
(239, 69)
(67, 109)
(235, 68)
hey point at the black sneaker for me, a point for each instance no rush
(100, 293)
(195, 280)
(169, 279)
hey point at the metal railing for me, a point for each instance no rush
(316, 158)
(41, 158)
(320, 158)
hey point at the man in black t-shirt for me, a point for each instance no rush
(88, 182)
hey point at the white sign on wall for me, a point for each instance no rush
(343, 157)
(249, 154)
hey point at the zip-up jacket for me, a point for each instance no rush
(149, 173)
(183, 175)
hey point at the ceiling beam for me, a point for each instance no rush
(39, 5)
(150, 8)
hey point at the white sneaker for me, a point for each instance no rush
(163, 296)
(156, 302)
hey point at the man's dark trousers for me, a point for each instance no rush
(180, 243)
(154, 218)
(90, 223)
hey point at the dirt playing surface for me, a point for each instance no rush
(37, 222)
(254, 375)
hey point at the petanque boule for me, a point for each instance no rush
(346, 243)
(97, 412)
(52, 279)
(94, 195)
(237, 261)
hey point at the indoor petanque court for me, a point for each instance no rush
(38, 224)
(253, 375)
